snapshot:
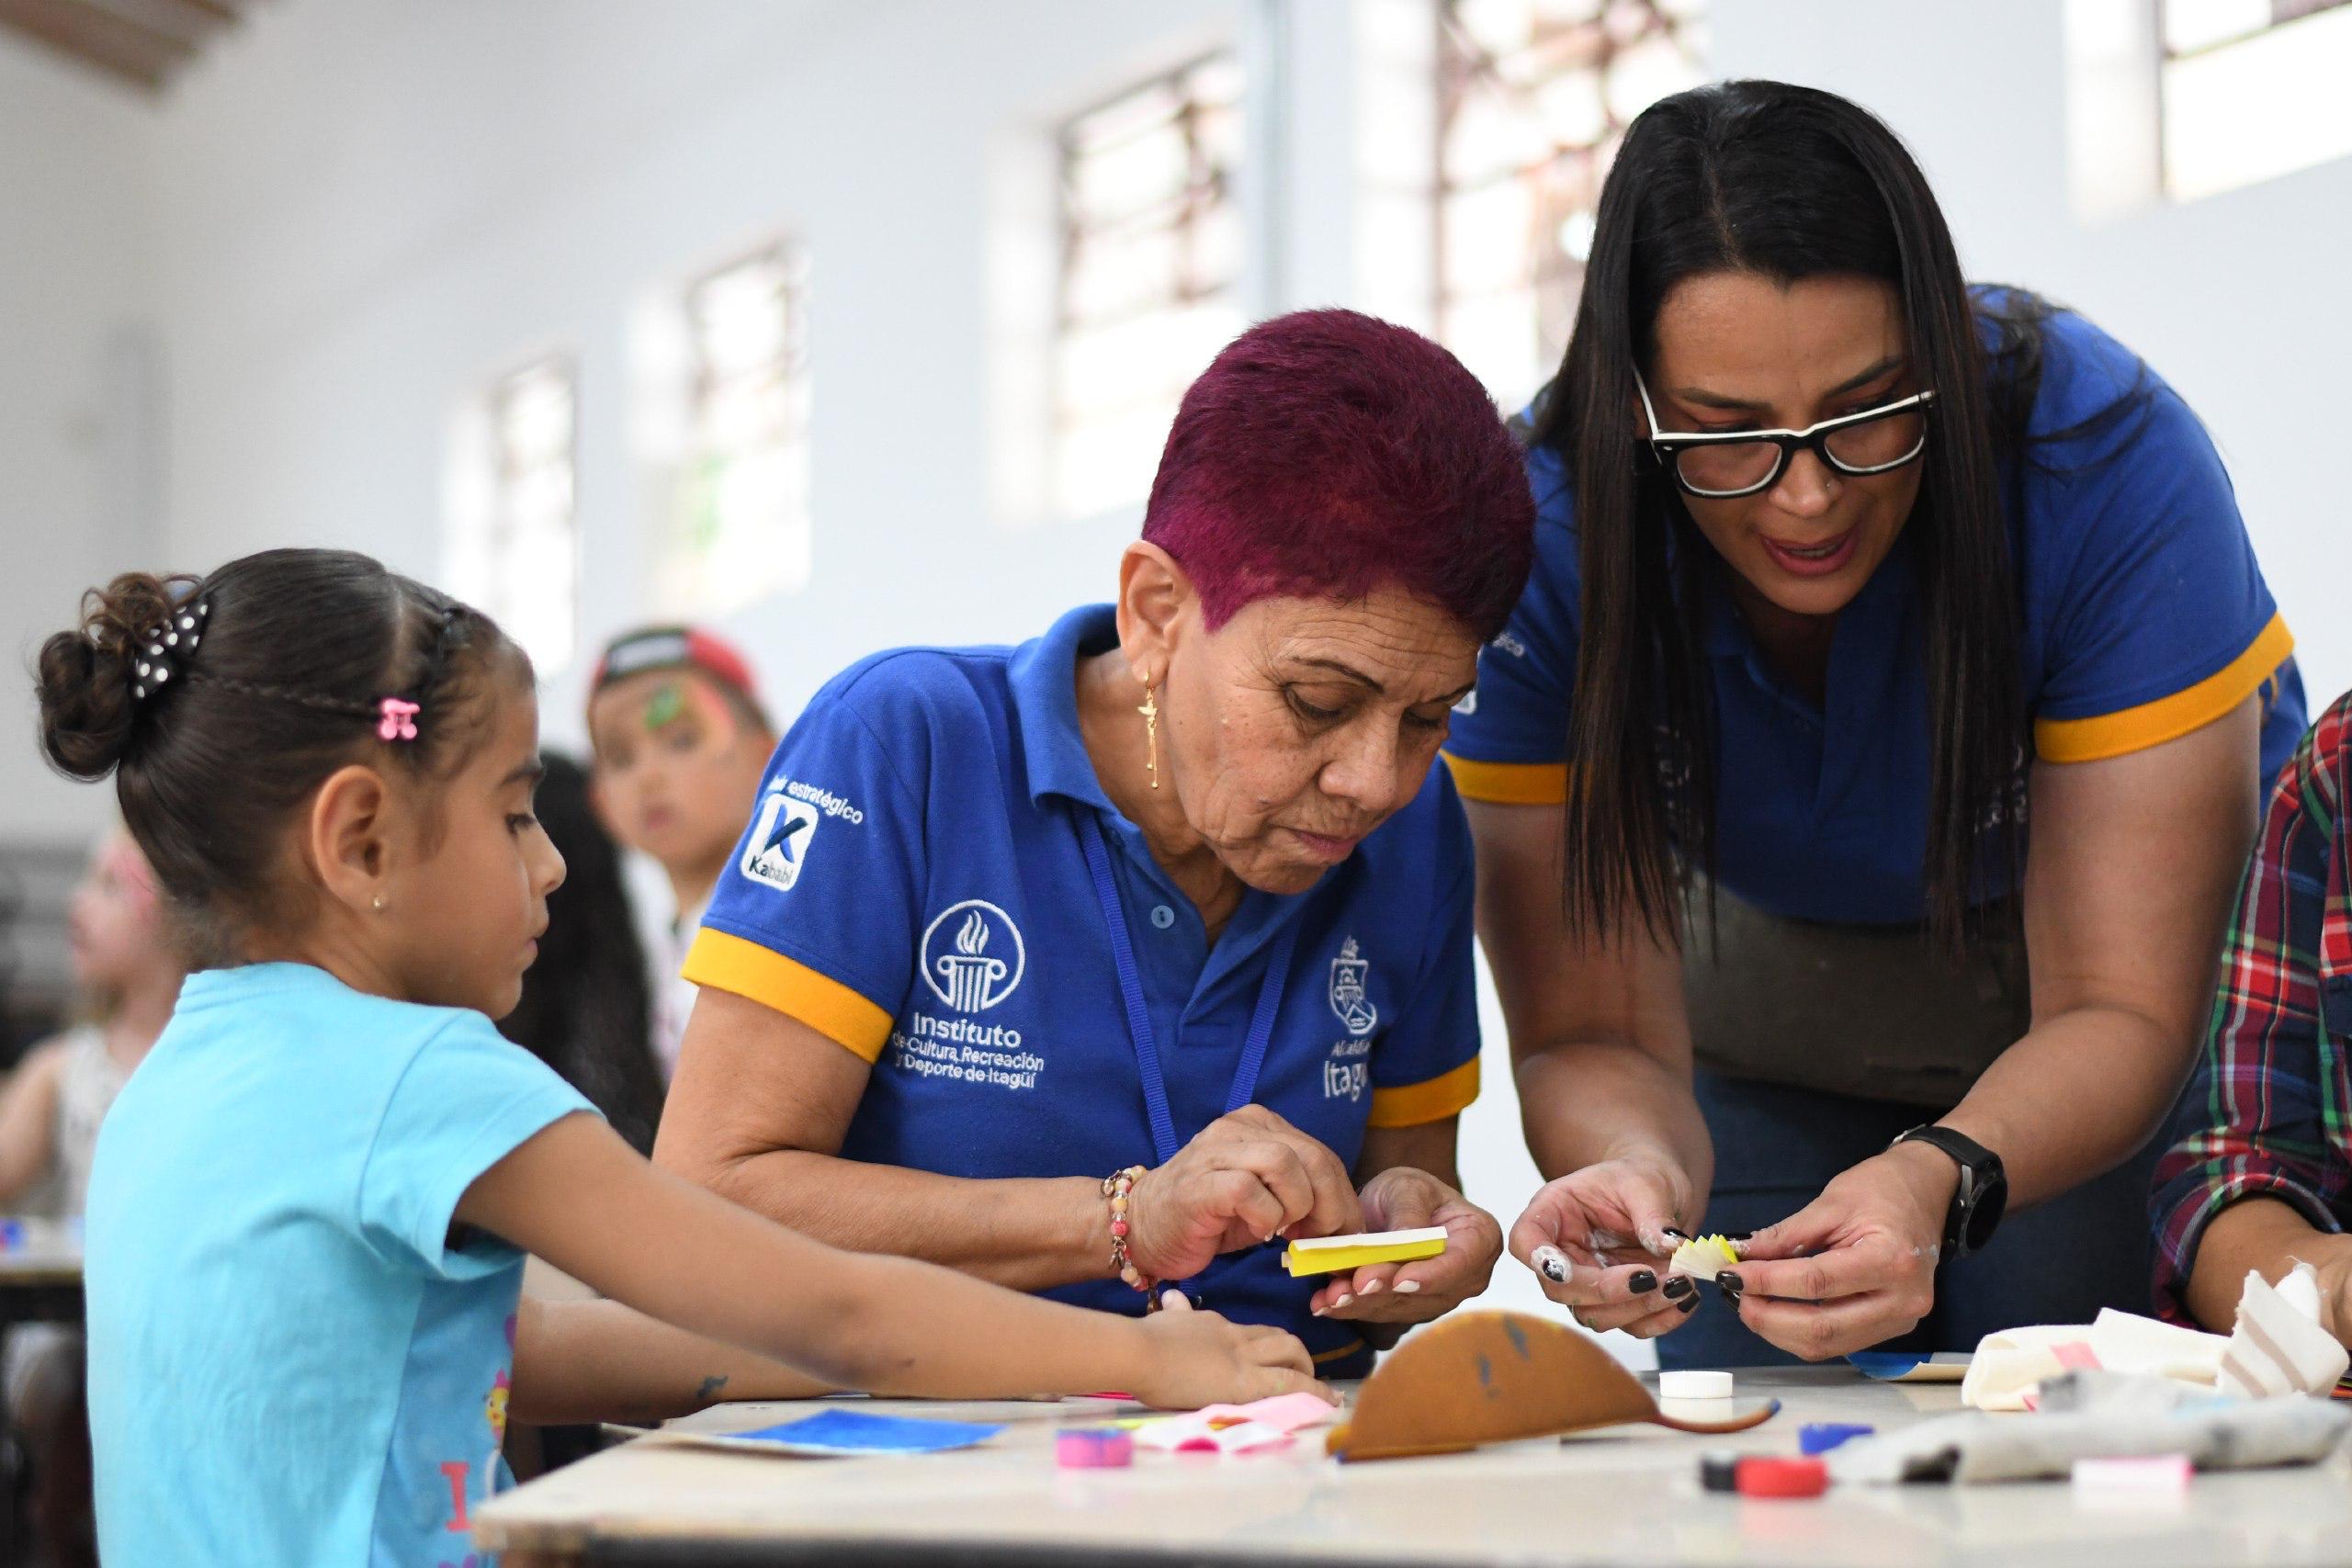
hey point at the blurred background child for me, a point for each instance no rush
(680, 744)
(128, 973)
(587, 1007)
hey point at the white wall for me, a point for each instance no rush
(76, 470)
(362, 209)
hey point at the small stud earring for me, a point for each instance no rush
(378, 902)
(1150, 711)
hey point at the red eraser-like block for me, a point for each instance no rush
(1764, 1477)
(1084, 1448)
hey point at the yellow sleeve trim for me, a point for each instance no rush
(2166, 718)
(1432, 1100)
(1509, 784)
(823, 1003)
(1341, 1353)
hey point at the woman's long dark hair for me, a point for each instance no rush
(1789, 183)
(587, 1007)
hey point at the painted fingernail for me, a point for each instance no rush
(1738, 1236)
(1371, 1290)
(1676, 1234)
(1552, 1264)
(1730, 1284)
(1643, 1282)
(1343, 1300)
(1687, 1305)
(1679, 1287)
(1407, 1287)
(1320, 1311)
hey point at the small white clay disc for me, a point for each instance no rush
(1695, 1385)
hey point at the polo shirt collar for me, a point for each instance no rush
(1043, 678)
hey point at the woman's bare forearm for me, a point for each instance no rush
(1597, 1100)
(1026, 1234)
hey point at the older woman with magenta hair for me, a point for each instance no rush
(1093, 966)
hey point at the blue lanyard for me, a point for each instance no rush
(1164, 1141)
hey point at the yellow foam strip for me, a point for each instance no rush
(730, 963)
(1339, 1260)
(1432, 1100)
(2166, 718)
(1509, 784)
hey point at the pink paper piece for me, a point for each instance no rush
(1194, 1435)
(2075, 1354)
(1283, 1411)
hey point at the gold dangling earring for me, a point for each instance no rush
(1150, 711)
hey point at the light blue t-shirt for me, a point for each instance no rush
(292, 1362)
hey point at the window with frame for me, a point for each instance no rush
(741, 526)
(2249, 90)
(1534, 97)
(1149, 276)
(514, 550)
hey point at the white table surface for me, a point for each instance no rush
(1630, 1496)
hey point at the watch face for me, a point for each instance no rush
(1985, 1210)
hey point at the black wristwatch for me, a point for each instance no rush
(1983, 1193)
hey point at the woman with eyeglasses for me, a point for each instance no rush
(1861, 784)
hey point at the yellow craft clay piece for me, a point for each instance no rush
(1333, 1254)
(1703, 1257)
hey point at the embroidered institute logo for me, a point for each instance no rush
(1348, 999)
(973, 956)
(778, 846)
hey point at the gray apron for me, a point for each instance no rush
(1879, 1012)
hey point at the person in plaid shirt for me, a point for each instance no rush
(2259, 1171)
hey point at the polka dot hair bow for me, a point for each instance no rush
(162, 655)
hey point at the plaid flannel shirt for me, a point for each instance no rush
(2268, 1112)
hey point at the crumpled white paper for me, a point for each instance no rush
(2278, 1348)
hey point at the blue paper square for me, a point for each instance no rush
(851, 1431)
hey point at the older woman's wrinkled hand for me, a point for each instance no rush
(1247, 1177)
(1404, 1198)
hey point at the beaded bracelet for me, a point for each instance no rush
(1117, 1187)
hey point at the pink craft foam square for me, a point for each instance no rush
(2075, 1354)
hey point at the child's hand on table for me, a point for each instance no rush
(1197, 1358)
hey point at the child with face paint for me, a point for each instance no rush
(680, 744)
(129, 973)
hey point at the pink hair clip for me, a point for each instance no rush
(399, 722)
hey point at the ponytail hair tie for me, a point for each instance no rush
(399, 721)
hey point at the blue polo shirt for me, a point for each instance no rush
(2143, 616)
(913, 886)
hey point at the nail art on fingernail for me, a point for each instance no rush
(1687, 1305)
(1552, 1264)
(1643, 1282)
(1679, 1287)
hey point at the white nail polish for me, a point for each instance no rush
(1407, 1286)
(1344, 1301)
(1372, 1289)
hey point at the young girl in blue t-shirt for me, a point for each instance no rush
(310, 1206)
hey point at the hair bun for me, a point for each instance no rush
(87, 713)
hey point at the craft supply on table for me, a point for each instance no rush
(1495, 1376)
(1260, 1425)
(1760, 1476)
(1902, 1366)
(1821, 1436)
(1094, 1448)
(833, 1433)
(2100, 1414)
(1693, 1384)
(1703, 1257)
(1719, 1471)
(2277, 1345)
(1335, 1254)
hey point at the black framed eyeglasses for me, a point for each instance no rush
(1719, 464)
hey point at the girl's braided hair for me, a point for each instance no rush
(220, 702)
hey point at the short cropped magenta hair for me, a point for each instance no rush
(1326, 454)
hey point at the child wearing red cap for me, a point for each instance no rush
(680, 742)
